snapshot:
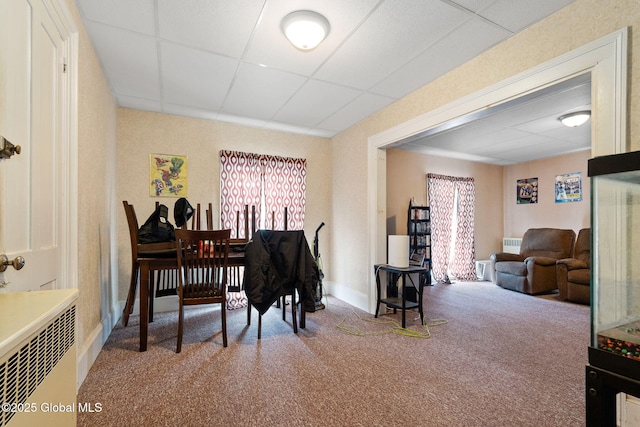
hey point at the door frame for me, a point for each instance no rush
(605, 59)
(68, 215)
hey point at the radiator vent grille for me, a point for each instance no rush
(511, 245)
(26, 369)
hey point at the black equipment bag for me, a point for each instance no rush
(157, 228)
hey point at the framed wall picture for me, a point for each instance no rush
(167, 175)
(527, 191)
(569, 187)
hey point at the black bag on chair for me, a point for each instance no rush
(182, 211)
(157, 228)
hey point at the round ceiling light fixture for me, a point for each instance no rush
(305, 29)
(575, 119)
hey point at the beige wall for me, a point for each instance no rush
(406, 178)
(573, 26)
(546, 213)
(142, 133)
(96, 189)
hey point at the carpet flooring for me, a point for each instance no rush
(493, 357)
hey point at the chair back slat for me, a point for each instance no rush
(203, 260)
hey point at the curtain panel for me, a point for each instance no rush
(270, 183)
(284, 186)
(452, 198)
(240, 185)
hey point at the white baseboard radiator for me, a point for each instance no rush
(511, 245)
(38, 376)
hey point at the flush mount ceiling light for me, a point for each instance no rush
(305, 29)
(575, 119)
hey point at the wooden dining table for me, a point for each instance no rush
(152, 264)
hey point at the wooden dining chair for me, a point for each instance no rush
(202, 266)
(164, 283)
(236, 296)
(279, 264)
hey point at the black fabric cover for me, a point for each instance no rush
(276, 262)
(182, 211)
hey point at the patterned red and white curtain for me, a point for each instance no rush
(270, 183)
(441, 191)
(449, 196)
(240, 185)
(284, 187)
(463, 266)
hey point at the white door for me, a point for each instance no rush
(32, 101)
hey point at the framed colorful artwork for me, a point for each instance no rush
(527, 191)
(569, 187)
(167, 175)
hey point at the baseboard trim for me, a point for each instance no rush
(357, 299)
(88, 353)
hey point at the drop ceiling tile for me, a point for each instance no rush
(443, 56)
(219, 26)
(260, 92)
(287, 127)
(130, 61)
(243, 121)
(500, 148)
(473, 5)
(194, 77)
(357, 110)
(187, 111)
(516, 15)
(370, 41)
(580, 135)
(552, 106)
(270, 47)
(478, 128)
(479, 143)
(472, 131)
(138, 16)
(538, 125)
(491, 144)
(139, 103)
(537, 151)
(451, 154)
(409, 28)
(315, 100)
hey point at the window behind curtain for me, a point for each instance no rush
(270, 183)
(452, 202)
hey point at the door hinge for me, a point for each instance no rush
(64, 67)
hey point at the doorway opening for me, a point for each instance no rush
(605, 59)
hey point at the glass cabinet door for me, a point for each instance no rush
(615, 269)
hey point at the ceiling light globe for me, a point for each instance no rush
(305, 29)
(575, 119)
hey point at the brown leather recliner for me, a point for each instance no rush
(574, 274)
(533, 270)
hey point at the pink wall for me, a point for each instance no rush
(497, 214)
(546, 213)
(407, 178)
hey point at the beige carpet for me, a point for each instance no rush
(502, 359)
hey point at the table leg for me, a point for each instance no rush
(420, 291)
(404, 283)
(377, 273)
(144, 304)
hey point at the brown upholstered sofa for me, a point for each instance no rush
(574, 274)
(533, 270)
